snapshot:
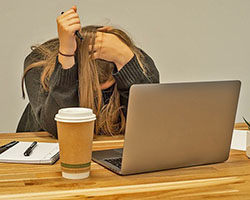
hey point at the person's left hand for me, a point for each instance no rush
(110, 48)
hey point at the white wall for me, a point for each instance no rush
(189, 40)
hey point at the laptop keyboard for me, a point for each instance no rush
(115, 161)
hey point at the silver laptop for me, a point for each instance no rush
(175, 125)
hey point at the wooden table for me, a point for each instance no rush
(229, 180)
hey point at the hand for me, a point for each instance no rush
(110, 48)
(67, 24)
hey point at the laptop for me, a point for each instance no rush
(174, 125)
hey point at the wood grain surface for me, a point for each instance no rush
(241, 126)
(228, 180)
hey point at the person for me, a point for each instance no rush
(95, 73)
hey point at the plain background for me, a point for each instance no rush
(189, 40)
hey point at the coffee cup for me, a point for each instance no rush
(75, 128)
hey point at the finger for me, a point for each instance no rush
(98, 43)
(96, 50)
(99, 34)
(93, 40)
(65, 23)
(76, 27)
(67, 15)
(73, 21)
(73, 28)
(105, 28)
(92, 48)
(68, 12)
(71, 16)
(68, 19)
(95, 55)
(99, 37)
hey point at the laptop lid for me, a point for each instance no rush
(176, 125)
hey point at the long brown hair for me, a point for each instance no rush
(91, 73)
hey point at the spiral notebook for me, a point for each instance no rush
(43, 153)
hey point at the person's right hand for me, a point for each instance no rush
(67, 24)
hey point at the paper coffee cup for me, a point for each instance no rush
(75, 127)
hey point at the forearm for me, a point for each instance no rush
(132, 73)
(63, 92)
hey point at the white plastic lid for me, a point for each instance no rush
(75, 115)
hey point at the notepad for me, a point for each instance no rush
(44, 153)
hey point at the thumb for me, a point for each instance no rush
(74, 8)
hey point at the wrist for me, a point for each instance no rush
(66, 55)
(124, 58)
(67, 48)
(66, 62)
(66, 51)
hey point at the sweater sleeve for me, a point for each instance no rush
(63, 92)
(132, 73)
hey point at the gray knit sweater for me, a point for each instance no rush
(63, 91)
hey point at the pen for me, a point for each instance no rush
(7, 146)
(30, 149)
(77, 32)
